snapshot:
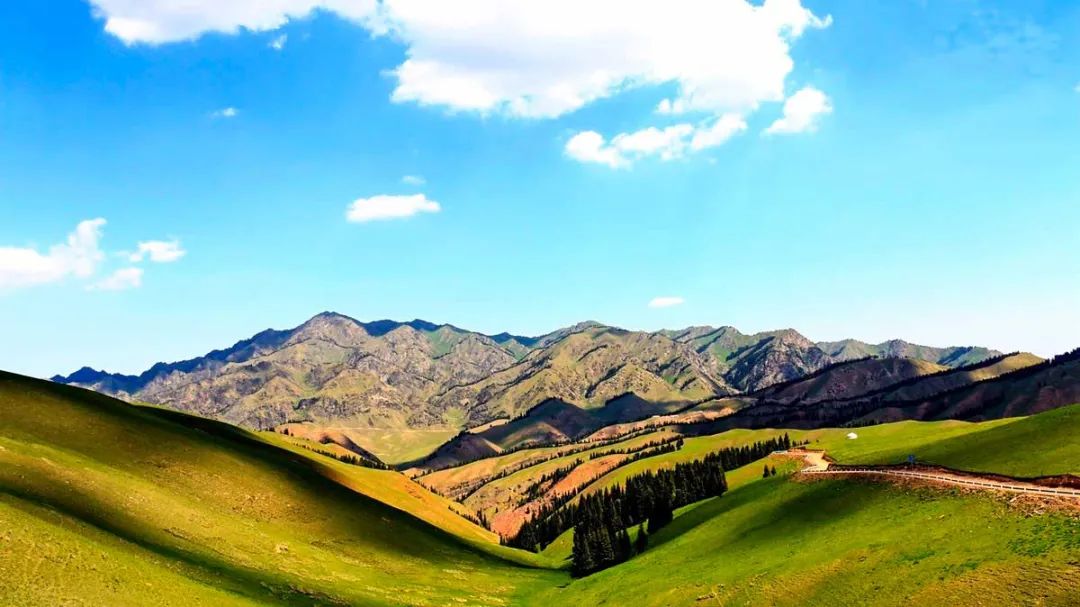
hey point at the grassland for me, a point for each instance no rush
(1039, 445)
(396, 446)
(104, 503)
(776, 542)
(109, 504)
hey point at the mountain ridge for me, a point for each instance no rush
(342, 373)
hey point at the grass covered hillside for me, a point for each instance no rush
(848, 542)
(777, 542)
(105, 503)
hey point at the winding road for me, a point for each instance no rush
(818, 464)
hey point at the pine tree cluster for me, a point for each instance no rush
(649, 497)
(601, 520)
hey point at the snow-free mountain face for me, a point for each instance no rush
(403, 376)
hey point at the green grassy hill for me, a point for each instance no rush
(847, 542)
(105, 503)
(1038, 445)
(776, 542)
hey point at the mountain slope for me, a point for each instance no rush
(587, 367)
(552, 422)
(848, 379)
(380, 374)
(751, 362)
(956, 356)
(126, 505)
(399, 389)
(1002, 387)
(890, 378)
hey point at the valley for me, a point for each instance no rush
(714, 303)
(166, 504)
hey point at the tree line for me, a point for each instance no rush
(462, 491)
(649, 497)
(575, 447)
(601, 520)
(549, 480)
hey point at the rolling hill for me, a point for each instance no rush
(104, 502)
(773, 541)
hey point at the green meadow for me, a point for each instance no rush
(105, 503)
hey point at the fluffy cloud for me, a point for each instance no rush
(544, 59)
(413, 180)
(532, 58)
(666, 302)
(278, 43)
(225, 112)
(385, 206)
(161, 21)
(802, 112)
(160, 251)
(120, 280)
(79, 256)
(589, 146)
(667, 143)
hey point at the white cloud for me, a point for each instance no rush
(589, 146)
(666, 302)
(534, 59)
(161, 21)
(79, 256)
(159, 251)
(722, 129)
(120, 280)
(278, 43)
(413, 180)
(225, 112)
(667, 143)
(544, 59)
(386, 206)
(802, 112)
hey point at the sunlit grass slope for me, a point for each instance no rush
(1039, 445)
(843, 542)
(836, 542)
(104, 503)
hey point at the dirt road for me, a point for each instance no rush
(818, 464)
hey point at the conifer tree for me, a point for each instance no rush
(625, 550)
(642, 540)
(661, 514)
(581, 558)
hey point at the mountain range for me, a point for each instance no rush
(333, 371)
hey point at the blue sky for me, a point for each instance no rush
(850, 169)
